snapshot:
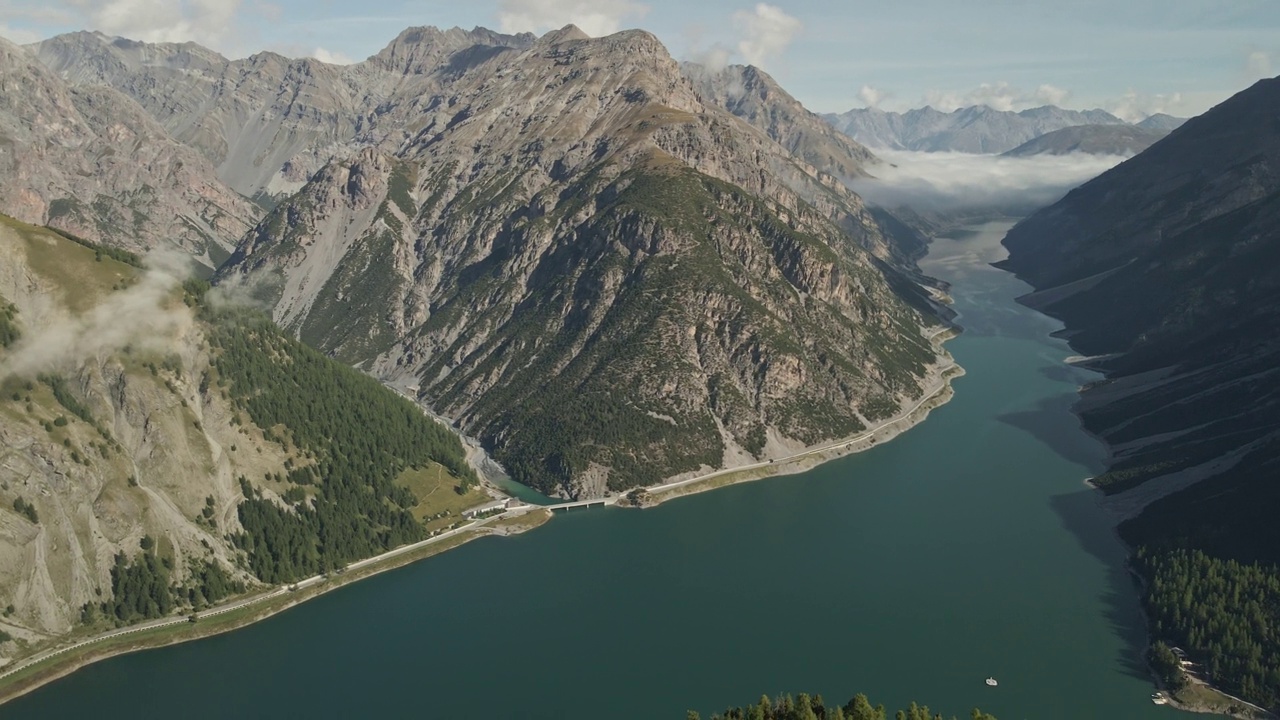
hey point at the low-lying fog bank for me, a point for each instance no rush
(942, 184)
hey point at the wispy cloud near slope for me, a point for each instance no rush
(143, 315)
(766, 32)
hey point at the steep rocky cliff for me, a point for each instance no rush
(605, 278)
(268, 122)
(752, 95)
(90, 161)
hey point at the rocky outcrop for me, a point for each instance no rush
(752, 95)
(607, 278)
(90, 161)
(268, 122)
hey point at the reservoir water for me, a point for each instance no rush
(966, 548)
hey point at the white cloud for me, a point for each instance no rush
(942, 181)
(208, 22)
(766, 32)
(871, 96)
(1134, 106)
(1050, 95)
(714, 58)
(998, 96)
(143, 315)
(333, 58)
(20, 36)
(1258, 65)
(594, 17)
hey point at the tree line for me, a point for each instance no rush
(351, 438)
(8, 324)
(1225, 614)
(142, 588)
(807, 707)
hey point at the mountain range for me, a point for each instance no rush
(610, 268)
(974, 129)
(504, 221)
(601, 275)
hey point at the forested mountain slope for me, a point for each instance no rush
(604, 278)
(159, 454)
(1167, 268)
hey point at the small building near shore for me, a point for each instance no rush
(502, 504)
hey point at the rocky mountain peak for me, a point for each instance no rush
(627, 48)
(1162, 121)
(92, 57)
(522, 223)
(419, 50)
(752, 95)
(568, 33)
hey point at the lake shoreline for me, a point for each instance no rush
(938, 391)
(932, 483)
(31, 675)
(1129, 503)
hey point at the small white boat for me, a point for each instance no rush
(992, 682)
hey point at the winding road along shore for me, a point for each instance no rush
(936, 391)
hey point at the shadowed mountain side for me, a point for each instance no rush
(1092, 139)
(1165, 270)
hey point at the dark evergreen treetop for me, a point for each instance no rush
(806, 707)
(353, 437)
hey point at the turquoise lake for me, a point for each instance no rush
(968, 547)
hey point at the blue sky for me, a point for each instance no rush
(1130, 56)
